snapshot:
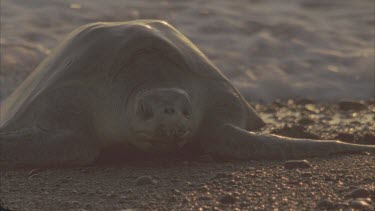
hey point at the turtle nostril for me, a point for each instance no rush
(186, 113)
(169, 110)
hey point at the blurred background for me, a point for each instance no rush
(318, 49)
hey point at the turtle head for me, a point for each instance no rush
(163, 119)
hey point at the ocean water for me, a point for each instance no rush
(269, 50)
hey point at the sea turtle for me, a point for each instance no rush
(135, 87)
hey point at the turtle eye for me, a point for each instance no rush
(169, 111)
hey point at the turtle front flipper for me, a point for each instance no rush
(36, 147)
(233, 142)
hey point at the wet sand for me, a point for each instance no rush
(211, 185)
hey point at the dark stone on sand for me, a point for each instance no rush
(351, 105)
(305, 121)
(89, 206)
(231, 183)
(228, 199)
(145, 180)
(33, 176)
(172, 199)
(330, 178)
(304, 101)
(75, 203)
(203, 188)
(359, 193)
(175, 180)
(325, 204)
(111, 195)
(222, 175)
(306, 174)
(65, 180)
(269, 110)
(34, 171)
(295, 131)
(294, 164)
(191, 184)
(185, 200)
(177, 192)
(277, 103)
(204, 198)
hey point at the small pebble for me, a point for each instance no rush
(231, 183)
(203, 188)
(91, 193)
(123, 199)
(305, 121)
(175, 180)
(306, 174)
(34, 171)
(89, 206)
(175, 191)
(172, 199)
(145, 180)
(111, 195)
(359, 193)
(204, 198)
(185, 200)
(222, 175)
(33, 176)
(228, 199)
(304, 101)
(191, 184)
(325, 204)
(351, 105)
(64, 180)
(293, 164)
(75, 203)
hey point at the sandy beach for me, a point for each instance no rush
(295, 61)
(268, 49)
(334, 183)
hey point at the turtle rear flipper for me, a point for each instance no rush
(233, 142)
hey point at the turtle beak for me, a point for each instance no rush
(172, 131)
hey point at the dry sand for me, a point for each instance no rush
(269, 50)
